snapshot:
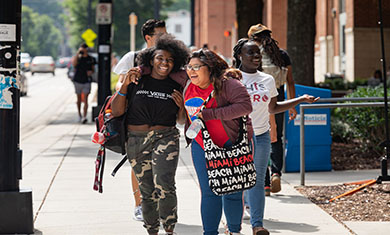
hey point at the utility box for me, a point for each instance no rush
(318, 139)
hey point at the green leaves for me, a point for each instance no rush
(77, 18)
(39, 34)
(365, 125)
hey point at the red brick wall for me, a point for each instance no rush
(367, 13)
(212, 18)
(276, 20)
(336, 23)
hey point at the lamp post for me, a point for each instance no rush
(385, 144)
(16, 212)
(133, 22)
(157, 9)
(104, 21)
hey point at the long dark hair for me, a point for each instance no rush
(270, 47)
(219, 69)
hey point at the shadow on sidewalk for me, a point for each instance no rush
(290, 199)
(188, 229)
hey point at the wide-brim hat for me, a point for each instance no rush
(256, 29)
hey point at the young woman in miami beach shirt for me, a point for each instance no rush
(207, 72)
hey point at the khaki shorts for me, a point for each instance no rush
(82, 88)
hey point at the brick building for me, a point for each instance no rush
(347, 39)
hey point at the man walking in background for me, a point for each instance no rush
(84, 68)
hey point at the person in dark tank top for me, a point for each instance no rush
(153, 105)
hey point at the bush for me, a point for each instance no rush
(114, 80)
(367, 125)
(340, 84)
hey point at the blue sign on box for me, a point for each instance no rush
(317, 135)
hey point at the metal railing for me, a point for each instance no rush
(320, 106)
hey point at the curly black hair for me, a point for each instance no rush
(167, 42)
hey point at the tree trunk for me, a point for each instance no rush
(300, 39)
(249, 12)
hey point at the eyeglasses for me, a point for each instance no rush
(194, 67)
(157, 34)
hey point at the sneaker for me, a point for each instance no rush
(138, 214)
(247, 214)
(260, 231)
(85, 120)
(267, 191)
(275, 183)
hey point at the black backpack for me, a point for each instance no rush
(114, 130)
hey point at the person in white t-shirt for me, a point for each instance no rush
(151, 31)
(261, 87)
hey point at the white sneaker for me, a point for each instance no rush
(138, 214)
(247, 214)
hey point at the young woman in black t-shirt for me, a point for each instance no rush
(153, 107)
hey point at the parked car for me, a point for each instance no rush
(63, 62)
(23, 84)
(25, 61)
(42, 64)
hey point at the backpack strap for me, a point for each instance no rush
(119, 165)
(186, 87)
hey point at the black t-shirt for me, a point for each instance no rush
(153, 103)
(84, 64)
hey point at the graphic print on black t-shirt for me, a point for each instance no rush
(153, 103)
(154, 94)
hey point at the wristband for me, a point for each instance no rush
(121, 94)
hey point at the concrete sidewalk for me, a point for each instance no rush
(60, 171)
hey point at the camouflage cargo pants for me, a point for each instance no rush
(154, 156)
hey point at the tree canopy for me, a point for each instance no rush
(77, 19)
(39, 35)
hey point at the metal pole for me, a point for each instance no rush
(302, 108)
(387, 141)
(16, 215)
(156, 9)
(302, 145)
(133, 23)
(89, 14)
(104, 62)
(132, 47)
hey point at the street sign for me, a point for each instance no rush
(104, 13)
(89, 35)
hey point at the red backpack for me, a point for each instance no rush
(111, 134)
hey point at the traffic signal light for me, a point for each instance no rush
(227, 33)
